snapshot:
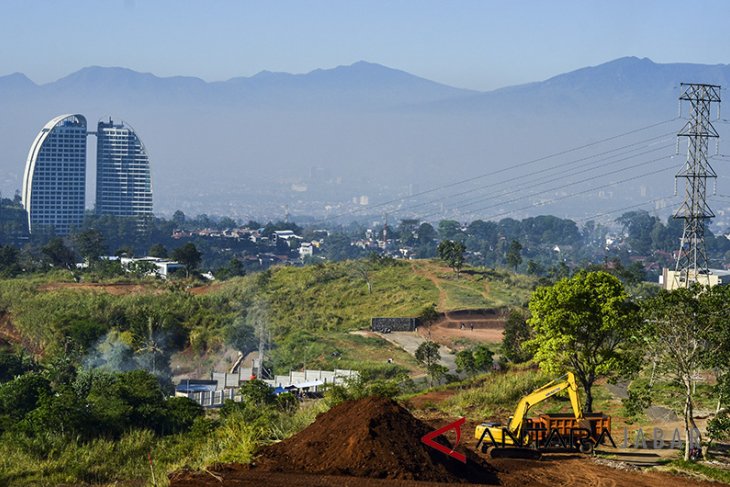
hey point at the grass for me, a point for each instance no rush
(496, 396)
(336, 349)
(476, 287)
(51, 461)
(699, 469)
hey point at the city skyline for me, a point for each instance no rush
(54, 182)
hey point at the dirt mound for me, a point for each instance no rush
(372, 437)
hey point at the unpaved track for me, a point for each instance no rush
(483, 326)
(552, 471)
(253, 478)
(574, 470)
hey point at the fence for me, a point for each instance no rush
(211, 399)
(394, 324)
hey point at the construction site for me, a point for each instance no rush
(376, 441)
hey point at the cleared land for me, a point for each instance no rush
(375, 441)
(455, 328)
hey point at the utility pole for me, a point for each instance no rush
(692, 264)
(262, 347)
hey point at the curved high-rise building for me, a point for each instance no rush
(54, 182)
(123, 183)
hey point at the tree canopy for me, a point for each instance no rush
(585, 324)
(188, 255)
(452, 253)
(689, 330)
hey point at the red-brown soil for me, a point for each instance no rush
(486, 325)
(432, 397)
(9, 334)
(376, 442)
(372, 437)
(551, 471)
(375, 438)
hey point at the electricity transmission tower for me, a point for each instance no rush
(692, 257)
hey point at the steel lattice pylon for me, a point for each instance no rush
(692, 256)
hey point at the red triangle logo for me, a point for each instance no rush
(456, 425)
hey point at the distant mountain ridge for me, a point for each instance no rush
(368, 81)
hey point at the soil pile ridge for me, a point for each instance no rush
(371, 437)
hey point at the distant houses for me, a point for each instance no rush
(152, 266)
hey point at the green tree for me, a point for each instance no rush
(257, 392)
(363, 269)
(189, 256)
(516, 333)
(58, 254)
(142, 268)
(452, 253)
(428, 316)
(688, 331)
(437, 372)
(426, 234)
(178, 218)
(20, 396)
(450, 230)
(181, 413)
(534, 268)
(338, 246)
(90, 244)
(235, 267)
(465, 362)
(588, 325)
(483, 358)
(11, 365)
(428, 355)
(514, 258)
(158, 250)
(9, 261)
(475, 359)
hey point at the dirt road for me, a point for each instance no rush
(409, 341)
(455, 328)
(567, 471)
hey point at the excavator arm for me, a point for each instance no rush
(539, 395)
(517, 421)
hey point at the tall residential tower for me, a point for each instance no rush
(54, 181)
(123, 186)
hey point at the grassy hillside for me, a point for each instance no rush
(475, 287)
(309, 311)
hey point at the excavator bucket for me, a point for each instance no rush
(514, 452)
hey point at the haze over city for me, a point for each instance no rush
(387, 100)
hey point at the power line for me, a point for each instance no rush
(493, 173)
(592, 178)
(572, 172)
(544, 203)
(547, 170)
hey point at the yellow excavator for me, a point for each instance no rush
(570, 431)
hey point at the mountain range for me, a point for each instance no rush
(251, 145)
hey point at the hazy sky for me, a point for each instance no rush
(479, 44)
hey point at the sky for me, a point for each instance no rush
(477, 44)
